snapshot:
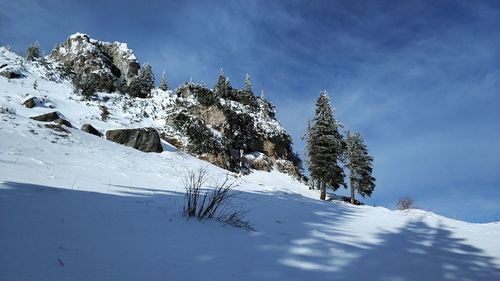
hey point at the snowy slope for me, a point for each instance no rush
(77, 207)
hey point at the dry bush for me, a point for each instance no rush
(405, 203)
(214, 202)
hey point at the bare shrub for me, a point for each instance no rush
(405, 203)
(213, 202)
(104, 113)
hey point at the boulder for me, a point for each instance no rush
(91, 130)
(47, 117)
(10, 74)
(30, 103)
(64, 122)
(12, 71)
(143, 139)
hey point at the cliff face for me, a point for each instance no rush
(80, 55)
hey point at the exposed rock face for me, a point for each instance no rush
(91, 130)
(143, 139)
(47, 117)
(81, 55)
(221, 128)
(30, 103)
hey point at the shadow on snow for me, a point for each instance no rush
(48, 233)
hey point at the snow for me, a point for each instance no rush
(74, 206)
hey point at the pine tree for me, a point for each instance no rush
(33, 51)
(148, 79)
(359, 163)
(222, 87)
(141, 85)
(163, 82)
(86, 85)
(325, 149)
(248, 84)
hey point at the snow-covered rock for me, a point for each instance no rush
(109, 61)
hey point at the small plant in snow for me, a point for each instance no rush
(104, 113)
(211, 203)
(35, 85)
(405, 203)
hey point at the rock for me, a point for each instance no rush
(177, 143)
(10, 74)
(47, 117)
(64, 122)
(257, 161)
(12, 71)
(91, 130)
(143, 139)
(286, 166)
(110, 62)
(30, 103)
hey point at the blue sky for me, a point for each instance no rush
(419, 79)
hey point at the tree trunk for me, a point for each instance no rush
(323, 190)
(352, 190)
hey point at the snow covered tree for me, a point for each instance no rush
(222, 87)
(33, 51)
(325, 147)
(141, 85)
(359, 163)
(86, 85)
(163, 82)
(148, 78)
(248, 84)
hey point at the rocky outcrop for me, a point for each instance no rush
(11, 72)
(123, 58)
(91, 130)
(53, 116)
(109, 63)
(47, 117)
(30, 103)
(219, 128)
(143, 139)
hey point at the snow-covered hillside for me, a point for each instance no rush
(74, 206)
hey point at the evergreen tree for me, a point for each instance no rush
(33, 51)
(325, 149)
(148, 79)
(163, 82)
(86, 85)
(222, 87)
(141, 85)
(248, 85)
(359, 163)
